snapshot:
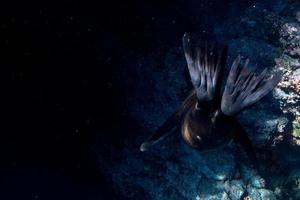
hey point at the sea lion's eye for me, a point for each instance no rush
(198, 137)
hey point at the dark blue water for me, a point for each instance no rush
(85, 83)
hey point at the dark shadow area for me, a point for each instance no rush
(62, 93)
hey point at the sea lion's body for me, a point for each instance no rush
(201, 131)
(206, 116)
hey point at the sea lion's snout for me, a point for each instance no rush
(144, 147)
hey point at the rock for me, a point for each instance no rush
(298, 16)
(226, 160)
(219, 196)
(257, 182)
(253, 193)
(267, 194)
(294, 52)
(296, 129)
(280, 94)
(235, 189)
(260, 194)
(278, 192)
(294, 179)
(290, 29)
(261, 125)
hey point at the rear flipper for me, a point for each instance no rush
(252, 176)
(244, 87)
(243, 140)
(205, 63)
(172, 122)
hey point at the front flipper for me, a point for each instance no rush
(242, 138)
(244, 87)
(172, 122)
(244, 142)
(205, 63)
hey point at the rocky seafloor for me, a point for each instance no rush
(267, 33)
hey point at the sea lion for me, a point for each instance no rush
(207, 117)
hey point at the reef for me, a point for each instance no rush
(267, 33)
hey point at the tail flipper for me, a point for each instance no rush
(205, 63)
(244, 87)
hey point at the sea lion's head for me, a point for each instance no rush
(207, 130)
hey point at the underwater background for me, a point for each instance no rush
(266, 32)
(87, 82)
